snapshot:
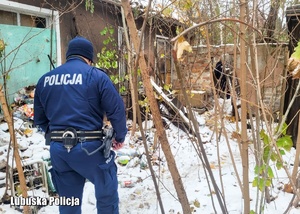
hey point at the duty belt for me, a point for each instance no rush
(84, 135)
(70, 137)
(72, 134)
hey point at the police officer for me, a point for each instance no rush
(75, 97)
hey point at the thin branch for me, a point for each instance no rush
(210, 22)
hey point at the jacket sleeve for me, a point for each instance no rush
(40, 118)
(113, 105)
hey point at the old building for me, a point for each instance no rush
(36, 34)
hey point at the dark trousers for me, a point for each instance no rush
(70, 170)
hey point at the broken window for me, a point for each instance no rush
(19, 19)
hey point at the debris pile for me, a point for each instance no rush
(23, 103)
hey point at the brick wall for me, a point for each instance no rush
(196, 69)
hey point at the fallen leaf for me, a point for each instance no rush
(196, 203)
(236, 135)
(288, 188)
(180, 46)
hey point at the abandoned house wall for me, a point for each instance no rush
(28, 43)
(76, 20)
(52, 40)
(196, 68)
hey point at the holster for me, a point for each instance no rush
(109, 134)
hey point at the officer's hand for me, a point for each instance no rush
(117, 145)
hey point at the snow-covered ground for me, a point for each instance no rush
(140, 197)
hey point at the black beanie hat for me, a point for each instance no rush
(82, 47)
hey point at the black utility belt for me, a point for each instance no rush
(83, 135)
(71, 137)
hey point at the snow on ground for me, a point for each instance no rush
(140, 197)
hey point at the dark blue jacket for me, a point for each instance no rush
(78, 95)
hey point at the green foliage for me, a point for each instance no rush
(285, 143)
(264, 172)
(89, 5)
(261, 181)
(283, 129)
(117, 80)
(108, 58)
(167, 87)
(296, 54)
(145, 103)
(2, 47)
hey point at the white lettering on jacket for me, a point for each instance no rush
(63, 79)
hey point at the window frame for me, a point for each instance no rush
(52, 18)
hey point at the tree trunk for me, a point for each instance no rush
(132, 76)
(8, 118)
(270, 24)
(155, 110)
(297, 156)
(244, 142)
